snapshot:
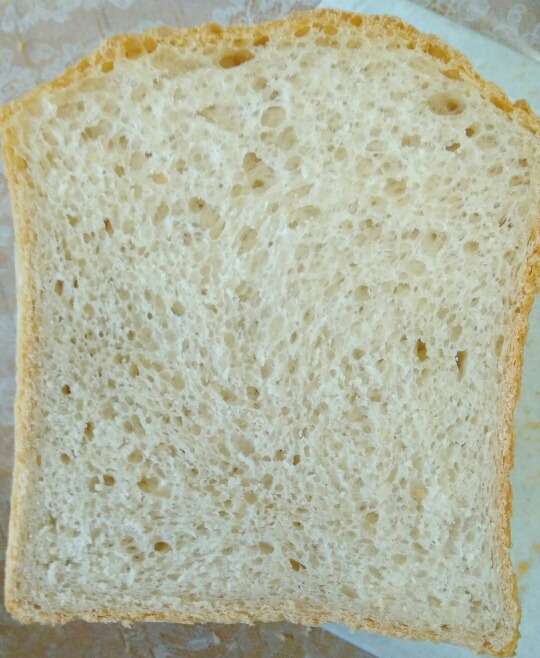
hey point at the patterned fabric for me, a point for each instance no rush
(516, 24)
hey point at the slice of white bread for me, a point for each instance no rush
(273, 291)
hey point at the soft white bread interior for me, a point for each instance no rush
(273, 291)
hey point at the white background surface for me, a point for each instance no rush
(519, 77)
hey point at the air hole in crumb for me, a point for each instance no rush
(135, 457)
(108, 226)
(108, 480)
(453, 146)
(295, 565)
(455, 333)
(421, 350)
(195, 204)
(64, 458)
(296, 460)
(293, 162)
(92, 483)
(471, 247)
(461, 360)
(396, 187)
(361, 294)
(108, 412)
(411, 140)
(302, 31)
(133, 370)
(487, 141)
(250, 161)
(106, 67)
(160, 214)
(252, 392)
(308, 317)
(250, 497)
(20, 163)
(375, 572)
(148, 484)
(292, 366)
(418, 492)
(235, 58)
(228, 396)
(162, 547)
(178, 381)
(273, 116)
(89, 431)
(517, 180)
(349, 592)
(261, 40)
(66, 390)
(178, 309)
(59, 287)
(266, 548)
(246, 238)
(416, 267)
(159, 178)
(445, 104)
(132, 47)
(372, 518)
(259, 83)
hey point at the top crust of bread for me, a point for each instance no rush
(135, 46)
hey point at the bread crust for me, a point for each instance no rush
(132, 47)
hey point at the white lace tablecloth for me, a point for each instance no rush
(38, 40)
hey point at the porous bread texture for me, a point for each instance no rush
(273, 290)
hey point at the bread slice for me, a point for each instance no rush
(273, 290)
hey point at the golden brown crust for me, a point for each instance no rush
(25, 346)
(300, 613)
(234, 42)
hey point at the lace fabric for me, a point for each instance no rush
(515, 24)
